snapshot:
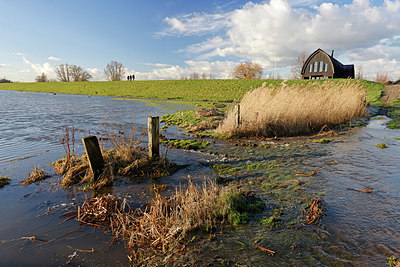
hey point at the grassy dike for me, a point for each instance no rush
(190, 90)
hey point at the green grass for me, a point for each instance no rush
(189, 90)
(381, 145)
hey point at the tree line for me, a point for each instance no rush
(114, 71)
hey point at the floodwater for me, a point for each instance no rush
(360, 229)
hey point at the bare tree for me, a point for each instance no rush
(211, 76)
(194, 76)
(62, 73)
(298, 65)
(41, 78)
(79, 74)
(248, 70)
(204, 76)
(114, 71)
(359, 74)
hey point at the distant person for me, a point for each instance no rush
(133, 77)
(128, 78)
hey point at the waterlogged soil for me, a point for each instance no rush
(359, 229)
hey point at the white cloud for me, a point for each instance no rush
(40, 68)
(274, 33)
(194, 24)
(4, 65)
(20, 54)
(158, 65)
(217, 69)
(54, 58)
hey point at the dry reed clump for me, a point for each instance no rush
(296, 109)
(36, 176)
(164, 222)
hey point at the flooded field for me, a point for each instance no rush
(359, 229)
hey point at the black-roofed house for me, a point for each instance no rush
(320, 65)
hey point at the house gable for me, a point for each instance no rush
(320, 65)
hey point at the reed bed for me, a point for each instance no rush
(298, 109)
(163, 224)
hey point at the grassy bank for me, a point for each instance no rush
(191, 90)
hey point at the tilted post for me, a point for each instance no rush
(237, 115)
(153, 127)
(93, 152)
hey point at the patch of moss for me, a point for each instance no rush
(261, 166)
(274, 220)
(381, 145)
(242, 204)
(4, 180)
(394, 114)
(224, 168)
(186, 143)
(379, 119)
(322, 141)
(392, 262)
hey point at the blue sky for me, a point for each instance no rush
(173, 38)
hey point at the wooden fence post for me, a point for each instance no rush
(153, 128)
(93, 153)
(237, 115)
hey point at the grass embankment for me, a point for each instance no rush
(191, 90)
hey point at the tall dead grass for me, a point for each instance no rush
(296, 109)
(166, 221)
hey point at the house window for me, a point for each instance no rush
(315, 66)
(321, 66)
(326, 67)
(311, 67)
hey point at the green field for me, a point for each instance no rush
(190, 90)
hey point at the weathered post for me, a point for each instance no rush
(237, 115)
(93, 153)
(153, 127)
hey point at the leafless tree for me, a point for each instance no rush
(41, 78)
(298, 65)
(114, 71)
(79, 74)
(211, 76)
(194, 76)
(204, 76)
(63, 73)
(359, 74)
(248, 70)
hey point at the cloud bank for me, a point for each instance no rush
(276, 32)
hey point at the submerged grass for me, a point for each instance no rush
(296, 110)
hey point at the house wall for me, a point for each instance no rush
(320, 56)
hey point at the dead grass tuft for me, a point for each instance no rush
(166, 221)
(314, 211)
(4, 180)
(296, 110)
(36, 176)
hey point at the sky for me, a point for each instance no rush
(170, 39)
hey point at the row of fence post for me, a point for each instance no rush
(93, 151)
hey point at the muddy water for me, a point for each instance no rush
(360, 229)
